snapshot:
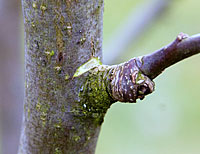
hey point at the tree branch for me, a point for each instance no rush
(131, 80)
(184, 46)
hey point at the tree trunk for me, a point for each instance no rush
(59, 37)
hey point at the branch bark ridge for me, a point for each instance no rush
(133, 79)
(128, 83)
(103, 85)
(94, 93)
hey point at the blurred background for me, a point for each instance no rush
(165, 122)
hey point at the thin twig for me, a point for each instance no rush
(184, 46)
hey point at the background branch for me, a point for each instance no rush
(11, 76)
(135, 25)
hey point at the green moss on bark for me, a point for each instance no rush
(94, 94)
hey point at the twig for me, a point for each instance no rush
(184, 46)
(134, 79)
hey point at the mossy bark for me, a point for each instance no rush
(60, 36)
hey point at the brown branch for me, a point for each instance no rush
(126, 82)
(131, 80)
(184, 46)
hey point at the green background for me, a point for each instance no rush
(167, 121)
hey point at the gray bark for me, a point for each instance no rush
(59, 37)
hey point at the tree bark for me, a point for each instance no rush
(59, 37)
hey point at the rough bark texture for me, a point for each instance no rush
(59, 37)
